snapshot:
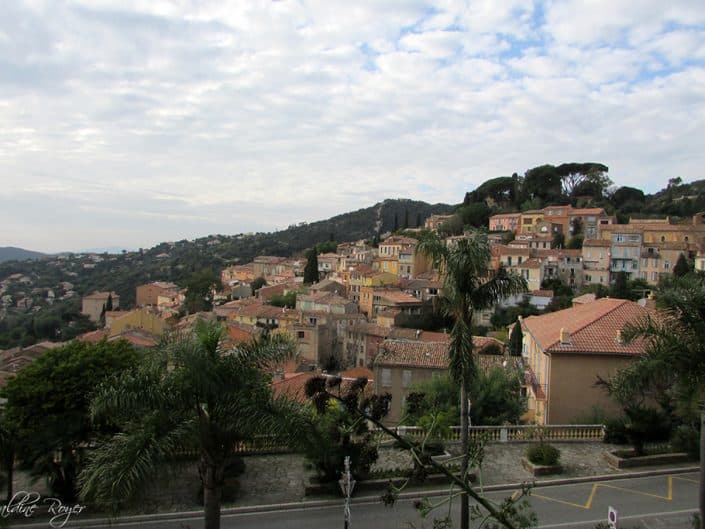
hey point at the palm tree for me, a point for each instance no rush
(674, 345)
(8, 444)
(189, 394)
(468, 286)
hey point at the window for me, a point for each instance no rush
(509, 261)
(520, 259)
(386, 378)
(300, 334)
(406, 378)
(667, 264)
(654, 276)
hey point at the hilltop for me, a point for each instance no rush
(10, 253)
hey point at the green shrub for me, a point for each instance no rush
(434, 447)
(686, 438)
(616, 431)
(337, 434)
(646, 425)
(543, 454)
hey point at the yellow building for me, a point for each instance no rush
(364, 276)
(138, 319)
(387, 263)
(93, 304)
(566, 351)
(529, 220)
(658, 259)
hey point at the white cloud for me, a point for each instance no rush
(294, 110)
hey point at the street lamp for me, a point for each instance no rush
(347, 484)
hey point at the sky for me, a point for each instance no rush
(124, 123)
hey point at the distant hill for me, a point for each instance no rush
(10, 253)
(361, 224)
(178, 261)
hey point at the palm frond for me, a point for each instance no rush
(118, 469)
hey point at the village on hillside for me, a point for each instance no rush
(365, 314)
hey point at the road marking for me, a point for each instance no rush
(668, 497)
(686, 479)
(588, 504)
(630, 517)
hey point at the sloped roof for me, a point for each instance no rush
(293, 385)
(585, 298)
(592, 327)
(431, 355)
(401, 333)
(586, 211)
(397, 296)
(602, 243)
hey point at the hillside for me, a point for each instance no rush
(10, 253)
(178, 261)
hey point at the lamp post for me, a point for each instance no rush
(347, 484)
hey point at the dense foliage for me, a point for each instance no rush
(543, 454)
(48, 407)
(495, 396)
(188, 394)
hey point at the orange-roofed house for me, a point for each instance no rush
(505, 222)
(366, 276)
(566, 351)
(376, 300)
(401, 363)
(150, 293)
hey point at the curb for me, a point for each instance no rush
(314, 504)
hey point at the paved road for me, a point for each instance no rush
(664, 501)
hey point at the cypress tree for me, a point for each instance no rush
(311, 268)
(516, 340)
(682, 266)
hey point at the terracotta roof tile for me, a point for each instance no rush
(601, 243)
(586, 211)
(585, 298)
(432, 355)
(397, 296)
(592, 327)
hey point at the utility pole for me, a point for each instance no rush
(347, 484)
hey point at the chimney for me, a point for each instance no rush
(619, 337)
(565, 336)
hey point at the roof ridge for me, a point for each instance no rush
(576, 331)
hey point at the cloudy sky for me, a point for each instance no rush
(128, 122)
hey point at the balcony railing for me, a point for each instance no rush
(513, 433)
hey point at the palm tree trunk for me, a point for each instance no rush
(701, 491)
(464, 442)
(212, 492)
(10, 464)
